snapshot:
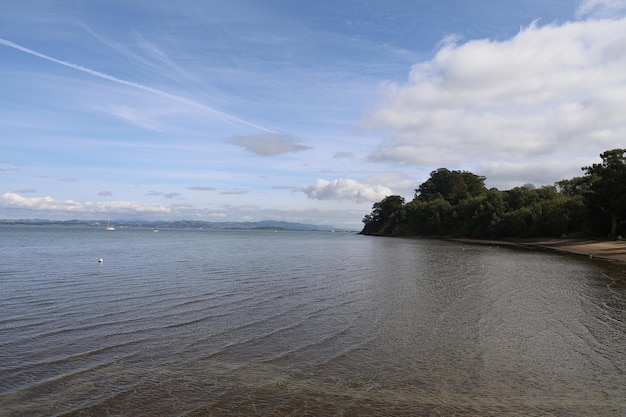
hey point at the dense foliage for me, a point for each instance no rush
(457, 203)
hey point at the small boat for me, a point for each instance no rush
(109, 227)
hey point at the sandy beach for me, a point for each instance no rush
(610, 250)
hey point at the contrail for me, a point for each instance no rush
(224, 116)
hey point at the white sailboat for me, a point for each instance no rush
(109, 227)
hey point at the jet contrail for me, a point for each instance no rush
(225, 116)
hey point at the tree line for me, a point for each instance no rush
(457, 203)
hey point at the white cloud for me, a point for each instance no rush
(506, 175)
(401, 183)
(345, 189)
(267, 144)
(549, 93)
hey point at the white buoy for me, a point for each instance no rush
(100, 261)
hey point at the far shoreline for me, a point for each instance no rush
(608, 250)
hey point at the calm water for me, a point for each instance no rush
(195, 323)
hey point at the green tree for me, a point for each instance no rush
(607, 195)
(576, 186)
(386, 216)
(523, 196)
(428, 217)
(452, 186)
(457, 203)
(480, 216)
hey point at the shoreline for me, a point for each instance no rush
(608, 250)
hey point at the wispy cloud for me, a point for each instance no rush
(601, 8)
(343, 155)
(148, 54)
(235, 192)
(206, 109)
(166, 195)
(268, 144)
(286, 188)
(201, 188)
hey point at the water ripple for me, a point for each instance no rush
(263, 323)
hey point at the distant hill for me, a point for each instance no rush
(181, 224)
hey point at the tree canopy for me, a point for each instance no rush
(457, 203)
(452, 186)
(607, 194)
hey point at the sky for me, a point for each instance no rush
(310, 112)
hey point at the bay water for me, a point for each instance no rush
(284, 323)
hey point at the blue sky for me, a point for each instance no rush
(291, 110)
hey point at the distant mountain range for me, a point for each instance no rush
(181, 224)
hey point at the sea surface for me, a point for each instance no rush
(265, 323)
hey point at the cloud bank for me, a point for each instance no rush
(549, 92)
(19, 207)
(49, 204)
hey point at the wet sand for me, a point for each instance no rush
(610, 250)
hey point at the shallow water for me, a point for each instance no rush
(191, 322)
